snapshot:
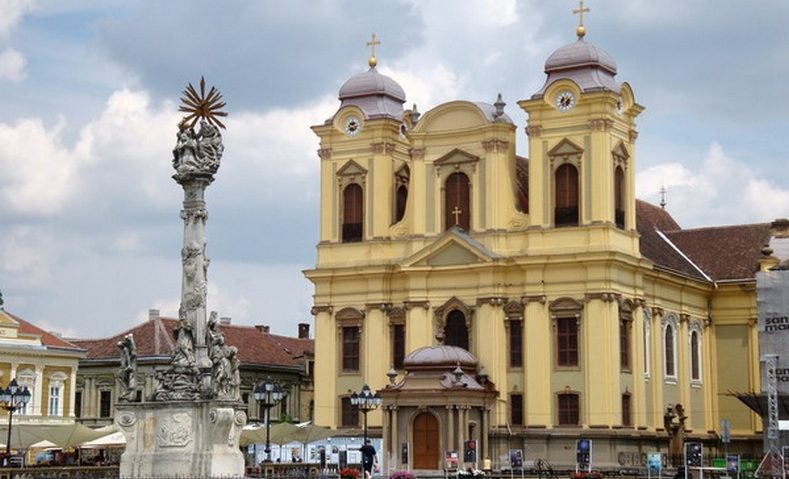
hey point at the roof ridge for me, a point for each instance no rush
(715, 227)
(684, 256)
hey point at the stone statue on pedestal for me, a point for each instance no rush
(191, 424)
(127, 374)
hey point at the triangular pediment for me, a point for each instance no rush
(7, 321)
(454, 248)
(350, 169)
(620, 151)
(565, 148)
(456, 156)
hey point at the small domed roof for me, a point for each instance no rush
(375, 94)
(591, 68)
(439, 355)
(371, 83)
(579, 54)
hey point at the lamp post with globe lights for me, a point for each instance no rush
(13, 398)
(268, 394)
(366, 401)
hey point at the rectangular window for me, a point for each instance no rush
(516, 344)
(624, 345)
(567, 341)
(350, 413)
(569, 410)
(105, 404)
(516, 409)
(138, 396)
(350, 349)
(78, 404)
(627, 419)
(398, 345)
(54, 401)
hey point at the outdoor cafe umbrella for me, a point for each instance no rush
(62, 435)
(257, 434)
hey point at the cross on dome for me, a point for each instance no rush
(581, 30)
(372, 61)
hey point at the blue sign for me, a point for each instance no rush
(654, 461)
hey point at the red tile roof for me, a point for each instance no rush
(724, 252)
(156, 337)
(47, 339)
(721, 252)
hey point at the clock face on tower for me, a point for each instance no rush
(565, 101)
(353, 126)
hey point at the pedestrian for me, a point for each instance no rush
(368, 459)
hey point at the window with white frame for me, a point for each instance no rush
(670, 348)
(26, 378)
(647, 343)
(56, 382)
(695, 353)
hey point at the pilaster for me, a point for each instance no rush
(326, 365)
(600, 333)
(538, 360)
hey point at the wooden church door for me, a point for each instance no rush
(425, 430)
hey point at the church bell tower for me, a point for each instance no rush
(582, 135)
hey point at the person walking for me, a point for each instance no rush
(368, 459)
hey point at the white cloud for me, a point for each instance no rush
(38, 171)
(12, 12)
(25, 257)
(12, 65)
(278, 141)
(722, 191)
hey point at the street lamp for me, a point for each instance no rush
(268, 394)
(13, 398)
(366, 401)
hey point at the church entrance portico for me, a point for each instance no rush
(443, 400)
(425, 440)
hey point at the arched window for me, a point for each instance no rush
(647, 343)
(457, 204)
(353, 213)
(619, 197)
(401, 198)
(669, 351)
(695, 358)
(566, 208)
(456, 331)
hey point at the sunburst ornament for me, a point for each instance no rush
(202, 106)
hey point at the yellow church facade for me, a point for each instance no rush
(590, 312)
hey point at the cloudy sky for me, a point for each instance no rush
(91, 236)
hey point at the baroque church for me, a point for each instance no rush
(523, 302)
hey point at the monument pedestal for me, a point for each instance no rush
(181, 439)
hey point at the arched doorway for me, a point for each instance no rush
(425, 430)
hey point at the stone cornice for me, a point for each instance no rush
(317, 309)
(492, 300)
(539, 298)
(495, 145)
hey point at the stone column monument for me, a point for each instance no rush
(190, 426)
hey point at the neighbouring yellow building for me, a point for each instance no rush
(43, 363)
(587, 312)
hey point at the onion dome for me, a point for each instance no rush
(589, 67)
(377, 95)
(439, 355)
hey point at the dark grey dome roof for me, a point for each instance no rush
(591, 68)
(375, 94)
(439, 355)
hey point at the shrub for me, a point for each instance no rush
(402, 475)
(349, 473)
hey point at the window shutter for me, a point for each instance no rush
(566, 213)
(457, 195)
(353, 213)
